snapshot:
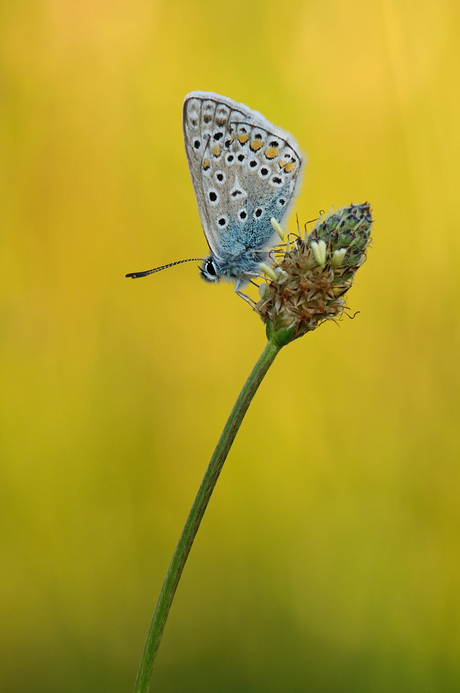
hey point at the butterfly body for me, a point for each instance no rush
(245, 171)
(234, 267)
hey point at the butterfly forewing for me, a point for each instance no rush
(244, 171)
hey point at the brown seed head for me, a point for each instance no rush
(314, 274)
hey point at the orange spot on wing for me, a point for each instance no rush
(243, 138)
(216, 150)
(256, 145)
(290, 167)
(206, 164)
(272, 152)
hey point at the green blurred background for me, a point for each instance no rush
(328, 560)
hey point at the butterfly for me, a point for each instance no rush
(246, 173)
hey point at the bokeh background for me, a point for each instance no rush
(329, 556)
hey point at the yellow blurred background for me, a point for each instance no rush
(328, 560)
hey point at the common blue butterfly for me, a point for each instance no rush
(245, 174)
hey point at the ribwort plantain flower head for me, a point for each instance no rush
(314, 274)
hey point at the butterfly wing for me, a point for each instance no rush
(244, 171)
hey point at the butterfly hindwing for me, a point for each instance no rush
(244, 171)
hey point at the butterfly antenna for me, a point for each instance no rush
(136, 275)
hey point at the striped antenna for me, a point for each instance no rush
(136, 275)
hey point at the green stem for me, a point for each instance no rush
(192, 524)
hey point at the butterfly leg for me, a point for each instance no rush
(245, 297)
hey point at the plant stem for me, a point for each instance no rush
(192, 524)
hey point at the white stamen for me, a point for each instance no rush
(338, 257)
(278, 228)
(319, 251)
(267, 270)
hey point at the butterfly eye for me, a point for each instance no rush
(210, 269)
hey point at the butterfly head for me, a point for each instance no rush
(209, 270)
